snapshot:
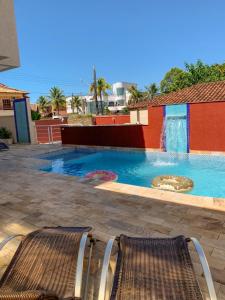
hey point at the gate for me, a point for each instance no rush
(48, 134)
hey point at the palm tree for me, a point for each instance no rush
(151, 91)
(84, 105)
(102, 87)
(57, 98)
(43, 103)
(75, 102)
(135, 95)
(92, 90)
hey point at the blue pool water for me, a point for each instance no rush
(139, 168)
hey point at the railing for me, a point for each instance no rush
(48, 134)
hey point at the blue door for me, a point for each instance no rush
(21, 121)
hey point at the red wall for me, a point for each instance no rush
(207, 126)
(48, 131)
(155, 121)
(134, 136)
(114, 119)
(207, 130)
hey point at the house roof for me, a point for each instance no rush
(6, 89)
(198, 93)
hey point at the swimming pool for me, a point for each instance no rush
(139, 168)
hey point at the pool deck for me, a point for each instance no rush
(31, 198)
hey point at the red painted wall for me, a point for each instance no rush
(207, 126)
(134, 136)
(207, 130)
(114, 119)
(155, 121)
(45, 128)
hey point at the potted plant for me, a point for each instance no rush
(6, 135)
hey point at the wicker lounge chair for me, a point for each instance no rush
(3, 146)
(153, 269)
(48, 264)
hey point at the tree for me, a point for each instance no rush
(43, 103)
(102, 87)
(198, 72)
(201, 72)
(35, 115)
(84, 105)
(93, 89)
(57, 98)
(150, 91)
(174, 80)
(75, 102)
(135, 95)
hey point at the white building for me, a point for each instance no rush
(115, 102)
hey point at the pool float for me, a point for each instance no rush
(173, 183)
(102, 175)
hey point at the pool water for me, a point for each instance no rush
(139, 168)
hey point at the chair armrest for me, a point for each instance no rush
(8, 239)
(80, 262)
(205, 267)
(105, 267)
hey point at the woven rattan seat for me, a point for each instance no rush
(154, 269)
(44, 265)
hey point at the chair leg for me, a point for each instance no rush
(205, 267)
(105, 268)
(80, 261)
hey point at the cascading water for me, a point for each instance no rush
(176, 134)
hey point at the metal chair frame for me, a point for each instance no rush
(198, 248)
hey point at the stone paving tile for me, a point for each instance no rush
(31, 199)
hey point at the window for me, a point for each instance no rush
(121, 102)
(120, 91)
(6, 103)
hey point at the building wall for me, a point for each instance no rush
(206, 130)
(207, 126)
(155, 121)
(9, 122)
(9, 55)
(139, 116)
(133, 117)
(113, 119)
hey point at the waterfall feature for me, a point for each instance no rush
(174, 136)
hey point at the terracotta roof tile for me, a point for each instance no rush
(6, 89)
(199, 93)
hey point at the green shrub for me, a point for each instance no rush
(35, 115)
(5, 133)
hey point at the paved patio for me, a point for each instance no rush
(30, 199)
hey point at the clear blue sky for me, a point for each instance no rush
(127, 40)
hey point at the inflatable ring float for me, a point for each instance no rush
(173, 183)
(102, 175)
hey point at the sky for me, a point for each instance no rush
(127, 40)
